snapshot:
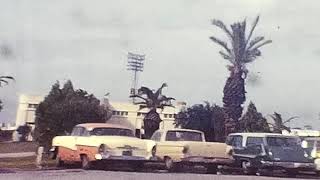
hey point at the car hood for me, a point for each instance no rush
(288, 154)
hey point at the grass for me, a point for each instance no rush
(25, 163)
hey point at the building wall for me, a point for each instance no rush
(125, 113)
(26, 109)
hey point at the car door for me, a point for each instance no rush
(168, 146)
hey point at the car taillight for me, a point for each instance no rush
(185, 149)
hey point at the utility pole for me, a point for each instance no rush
(135, 64)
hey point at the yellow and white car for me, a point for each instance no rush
(102, 143)
(177, 147)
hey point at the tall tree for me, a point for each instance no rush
(152, 100)
(280, 124)
(204, 117)
(241, 50)
(62, 109)
(253, 121)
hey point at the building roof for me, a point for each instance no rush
(90, 126)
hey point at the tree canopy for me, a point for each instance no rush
(253, 121)
(62, 109)
(204, 117)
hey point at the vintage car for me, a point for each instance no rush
(312, 146)
(101, 143)
(258, 153)
(178, 147)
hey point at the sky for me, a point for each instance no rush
(87, 41)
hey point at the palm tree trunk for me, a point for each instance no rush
(151, 123)
(234, 97)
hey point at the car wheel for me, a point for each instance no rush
(212, 169)
(85, 162)
(247, 169)
(170, 165)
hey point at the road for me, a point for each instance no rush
(78, 174)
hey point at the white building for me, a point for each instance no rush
(122, 112)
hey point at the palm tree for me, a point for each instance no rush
(280, 124)
(152, 100)
(241, 50)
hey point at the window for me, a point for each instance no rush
(283, 141)
(114, 112)
(77, 131)
(111, 132)
(170, 115)
(254, 141)
(165, 115)
(156, 136)
(235, 141)
(183, 136)
(122, 113)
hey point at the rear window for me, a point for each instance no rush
(111, 132)
(183, 136)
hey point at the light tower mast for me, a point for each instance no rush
(135, 64)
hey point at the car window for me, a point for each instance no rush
(283, 141)
(183, 136)
(76, 131)
(84, 132)
(254, 141)
(156, 136)
(111, 132)
(235, 141)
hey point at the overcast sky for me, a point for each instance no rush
(42, 41)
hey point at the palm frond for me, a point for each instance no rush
(255, 41)
(254, 24)
(221, 43)
(290, 119)
(222, 26)
(226, 56)
(262, 44)
(3, 81)
(159, 91)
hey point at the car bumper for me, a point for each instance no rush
(123, 158)
(288, 165)
(207, 160)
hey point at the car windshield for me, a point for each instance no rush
(183, 136)
(111, 132)
(283, 141)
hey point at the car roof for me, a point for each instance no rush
(260, 134)
(90, 126)
(178, 129)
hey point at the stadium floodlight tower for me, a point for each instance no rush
(135, 64)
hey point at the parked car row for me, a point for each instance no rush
(103, 144)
